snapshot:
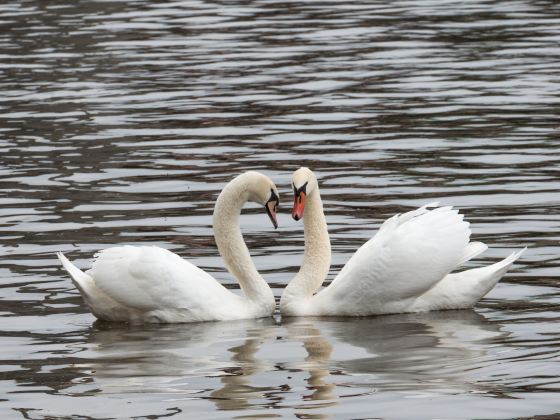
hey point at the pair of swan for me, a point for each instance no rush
(405, 267)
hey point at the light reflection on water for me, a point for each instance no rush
(121, 121)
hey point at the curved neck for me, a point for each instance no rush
(231, 245)
(317, 253)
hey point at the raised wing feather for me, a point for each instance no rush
(410, 254)
(147, 278)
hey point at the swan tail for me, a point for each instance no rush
(81, 280)
(484, 280)
(506, 263)
(472, 250)
(101, 305)
(463, 290)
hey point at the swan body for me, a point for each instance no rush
(405, 267)
(147, 284)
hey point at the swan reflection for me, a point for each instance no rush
(316, 363)
(176, 351)
(236, 390)
(436, 351)
(256, 364)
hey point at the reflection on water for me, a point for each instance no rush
(304, 366)
(120, 122)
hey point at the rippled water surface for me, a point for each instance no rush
(120, 121)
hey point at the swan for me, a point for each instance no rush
(147, 284)
(405, 267)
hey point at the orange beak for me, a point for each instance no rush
(299, 206)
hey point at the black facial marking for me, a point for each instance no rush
(273, 197)
(300, 190)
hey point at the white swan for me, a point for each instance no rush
(405, 267)
(146, 284)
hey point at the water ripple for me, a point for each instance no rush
(121, 121)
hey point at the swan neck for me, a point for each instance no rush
(231, 245)
(317, 252)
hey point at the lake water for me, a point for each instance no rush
(120, 122)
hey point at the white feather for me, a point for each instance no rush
(464, 289)
(149, 284)
(405, 267)
(407, 257)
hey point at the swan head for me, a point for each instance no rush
(304, 183)
(263, 191)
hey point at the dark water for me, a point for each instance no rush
(121, 121)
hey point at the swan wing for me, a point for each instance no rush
(150, 278)
(409, 255)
